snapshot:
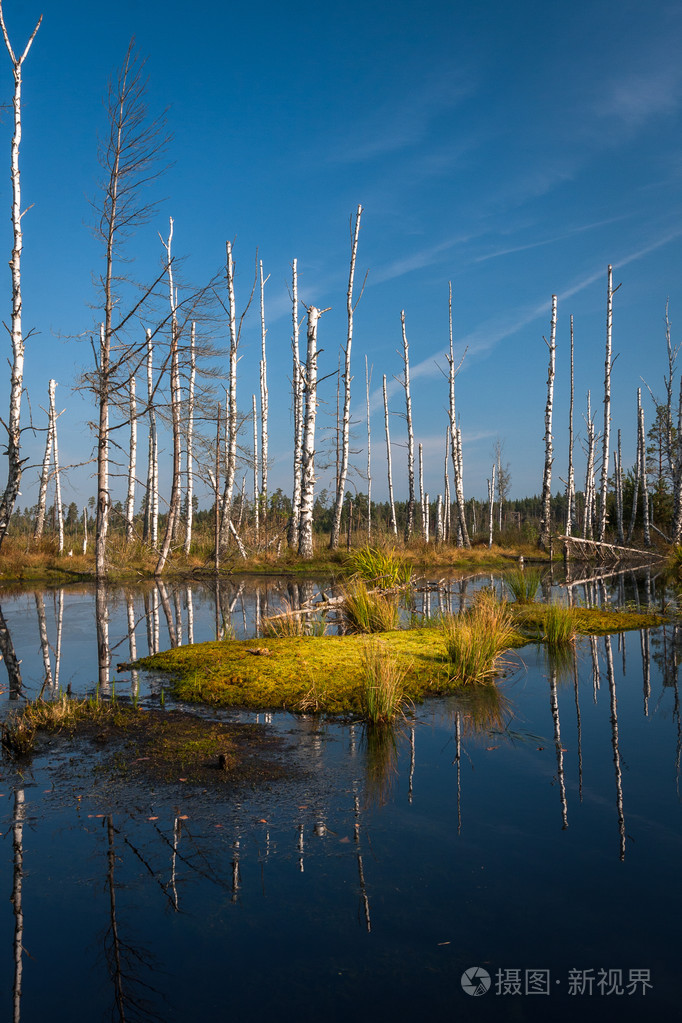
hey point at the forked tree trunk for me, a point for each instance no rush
(345, 427)
(174, 501)
(14, 460)
(545, 524)
(393, 523)
(409, 522)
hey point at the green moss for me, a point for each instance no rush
(588, 621)
(323, 673)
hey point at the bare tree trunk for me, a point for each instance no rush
(588, 522)
(174, 501)
(231, 454)
(132, 463)
(152, 502)
(189, 443)
(57, 478)
(491, 497)
(263, 402)
(608, 365)
(642, 469)
(368, 374)
(345, 426)
(297, 399)
(216, 553)
(409, 523)
(635, 489)
(85, 531)
(103, 498)
(305, 542)
(45, 471)
(422, 512)
(456, 439)
(619, 491)
(256, 522)
(570, 484)
(393, 523)
(440, 530)
(545, 524)
(14, 459)
(677, 477)
(446, 481)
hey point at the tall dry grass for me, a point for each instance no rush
(476, 639)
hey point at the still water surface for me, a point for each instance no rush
(534, 834)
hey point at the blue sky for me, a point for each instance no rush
(515, 150)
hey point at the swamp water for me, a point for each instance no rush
(530, 834)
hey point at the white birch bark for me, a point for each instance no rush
(642, 469)
(45, 471)
(422, 511)
(426, 516)
(393, 523)
(57, 477)
(132, 462)
(153, 456)
(570, 483)
(103, 497)
(446, 490)
(368, 374)
(189, 442)
(15, 462)
(305, 542)
(545, 524)
(456, 438)
(440, 529)
(264, 405)
(256, 521)
(174, 501)
(491, 497)
(297, 401)
(588, 524)
(618, 457)
(345, 425)
(85, 530)
(607, 408)
(636, 486)
(677, 494)
(409, 523)
(231, 425)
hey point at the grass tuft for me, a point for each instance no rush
(383, 683)
(364, 611)
(476, 639)
(558, 624)
(523, 584)
(379, 566)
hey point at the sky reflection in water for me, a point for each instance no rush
(535, 826)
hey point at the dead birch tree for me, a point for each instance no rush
(57, 478)
(297, 408)
(345, 423)
(132, 463)
(13, 426)
(368, 376)
(608, 366)
(545, 523)
(570, 482)
(393, 523)
(264, 408)
(456, 437)
(588, 514)
(151, 520)
(45, 471)
(642, 469)
(189, 441)
(129, 156)
(175, 398)
(305, 541)
(256, 522)
(409, 521)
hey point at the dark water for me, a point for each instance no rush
(534, 833)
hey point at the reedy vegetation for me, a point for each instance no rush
(476, 638)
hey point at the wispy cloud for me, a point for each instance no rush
(404, 122)
(637, 97)
(549, 241)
